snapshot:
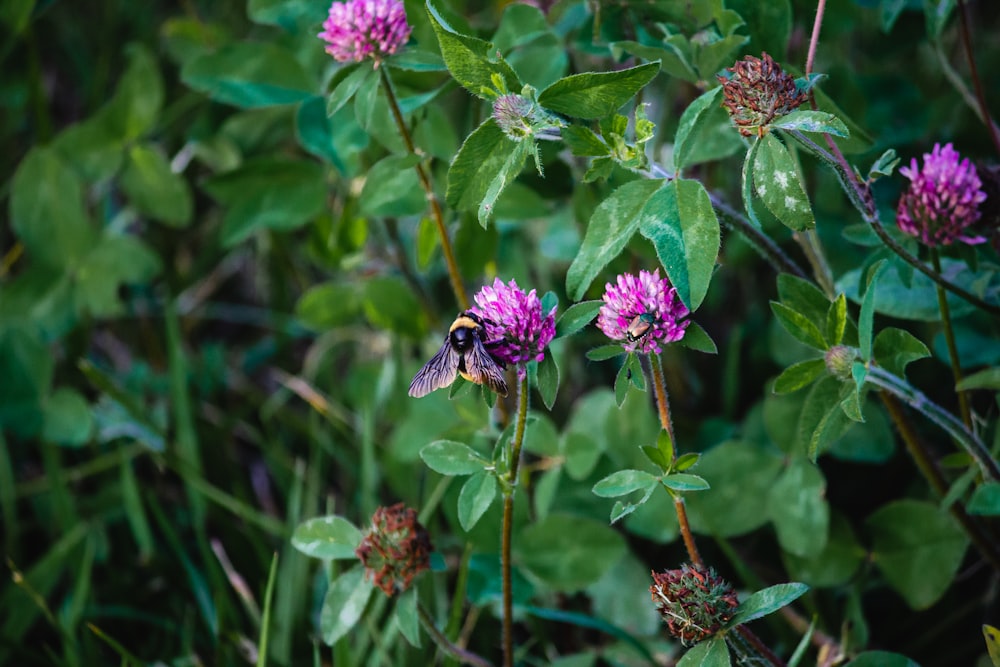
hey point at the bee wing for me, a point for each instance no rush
(437, 373)
(483, 369)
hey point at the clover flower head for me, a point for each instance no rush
(642, 311)
(694, 602)
(943, 199)
(359, 29)
(757, 93)
(396, 549)
(515, 322)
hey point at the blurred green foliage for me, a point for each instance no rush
(218, 273)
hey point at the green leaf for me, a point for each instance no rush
(605, 352)
(918, 548)
(15, 14)
(936, 14)
(593, 95)
(680, 222)
(835, 564)
(407, 618)
(770, 23)
(798, 375)
(697, 339)
(138, 98)
(47, 211)
(471, 61)
(746, 184)
(656, 457)
(315, 132)
(268, 193)
(883, 166)
(985, 500)
(916, 298)
(610, 228)
(568, 552)
(116, 260)
(583, 142)
(665, 445)
(686, 461)
(992, 637)
(329, 305)
(344, 604)
(798, 508)
(330, 537)
(741, 476)
(288, 14)
(67, 418)
(483, 154)
(867, 315)
(881, 659)
(836, 320)
(804, 297)
(821, 420)
(988, 378)
(699, 122)
(623, 380)
(250, 75)
(548, 379)
(347, 87)
(577, 317)
(476, 497)
(154, 189)
(624, 482)
(801, 328)
(812, 121)
(452, 458)
(776, 181)
(508, 171)
(766, 601)
(392, 188)
(680, 481)
(712, 652)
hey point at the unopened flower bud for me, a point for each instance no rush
(839, 360)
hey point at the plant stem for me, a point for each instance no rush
(814, 37)
(974, 73)
(949, 337)
(925, 464)
(456, 652)
(449, 256)
(760, 241)
(965, 437)
(809, 241)
(508, 521)
(758, 646)
(663, 409)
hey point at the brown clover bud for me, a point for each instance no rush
(396, 549)
(694, 602)
(758, 92)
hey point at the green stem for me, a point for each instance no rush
(460, 654)
(663, 409)
(949, 337)
(449, 256)
(968, 440)
(508, 521)
(809, 241)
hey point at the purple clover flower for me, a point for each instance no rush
(516, 322)
(359, 29)
(646, 296)
(943, 199)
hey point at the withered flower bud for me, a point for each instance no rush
(396, 549)
(757, 92)
(694, 602)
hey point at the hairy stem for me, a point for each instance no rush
(449, 256)
(760, 241)
(965, 437)
(925, 464)
(949, 337)
(508, 522)
(663, 409)
(460, 654)
(814, 37)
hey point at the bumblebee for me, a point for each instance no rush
(464, 352)
(639, 327)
